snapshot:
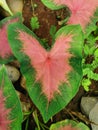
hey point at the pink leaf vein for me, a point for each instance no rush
(52, 67)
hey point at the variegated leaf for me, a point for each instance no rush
(10, 109)
(69, 125)
(52, 77)
(81, 12)
(6, 54)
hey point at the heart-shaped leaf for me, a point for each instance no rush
(10, 109)
(52, 77)
(6, 54)
(81, 12)
(69, 125)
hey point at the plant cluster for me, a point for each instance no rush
(53, 75)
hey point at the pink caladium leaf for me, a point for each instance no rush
(4, 112)
(81, 11)
(52, 76)
(10, 108)
(5, 51)
(69, 125)
(51, 67)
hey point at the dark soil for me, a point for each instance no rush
(47, 18)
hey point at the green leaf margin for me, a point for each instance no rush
(79, 125)
(49, 109)
(12, 100)
(2, 22)
(50, 4)
(90, 26)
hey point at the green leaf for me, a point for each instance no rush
(67, 92)
(12, 100)
(50, 4)
(86, 83)
(86, 49)
(52, 32)
(61, 124)
(92, 25)
(96, 53)
(90, 74)
(94, 64)
(34, 23)
(93, 75)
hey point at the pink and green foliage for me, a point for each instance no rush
(5, 50)
(52, 76)
(69, 125)
(52, 67)
(81, 10)
(4, 112)
(10, 109)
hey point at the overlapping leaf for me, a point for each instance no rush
(81, 12)
(52, 77)
(10, 108)
(52, 5)
(6, 54)
(68, 125)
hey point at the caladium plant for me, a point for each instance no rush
(6, 54)
(81, 11)
(4, 112)
(10, 108)
(52, 76)
(69, 125)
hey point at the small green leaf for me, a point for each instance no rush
(86, 83)
(86, 71)
(52, 32)
(96, 53)
(90, 74)
(86, 49)
(34, 23)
